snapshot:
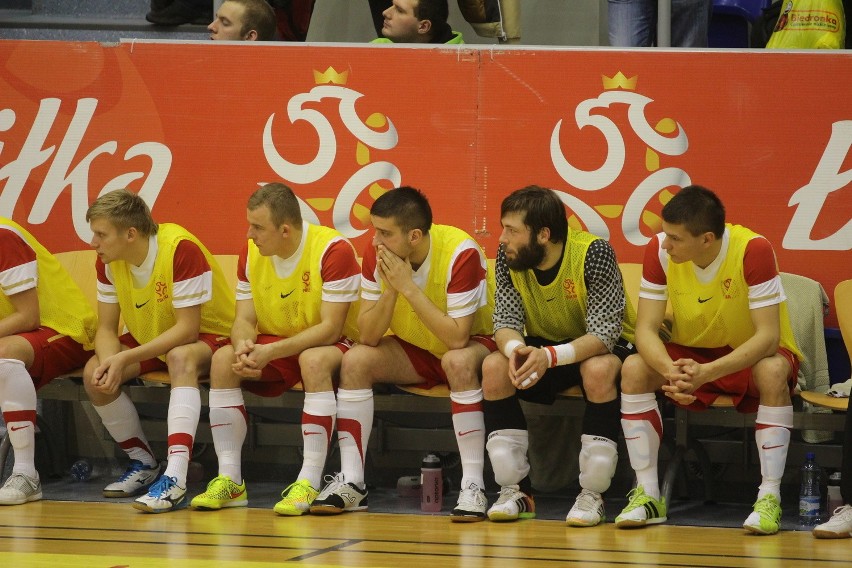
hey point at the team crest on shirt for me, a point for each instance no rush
(162, 291)
(729, 288)
(306, 281)
(569, 289)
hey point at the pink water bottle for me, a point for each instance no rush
(432, 484)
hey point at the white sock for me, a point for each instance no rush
(18, 403)
(184, 410)
(469, 423)
(354, 423)
(643, 429)
(318, 418)
(772, 435)
(121, 420)
(228, 424)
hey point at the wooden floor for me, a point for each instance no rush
(64, 533)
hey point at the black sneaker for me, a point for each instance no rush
(182, 12)
(339, 497)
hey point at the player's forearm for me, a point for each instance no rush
(374, 319)
(173, 337)
(653, 351)
(757, 347)
(18, 322)
(242, 330)
(106, 342)
(455, 333)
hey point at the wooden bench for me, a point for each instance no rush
(391, 401)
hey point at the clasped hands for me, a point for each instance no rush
(527, 364)
(251, 358)
(684, 378)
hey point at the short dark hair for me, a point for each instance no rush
(281, 201)
(436, 11)
(541, 208)
(258, 16)
(407, 206)
(698, 209)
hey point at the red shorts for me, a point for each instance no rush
(214, 342)
(739, 386)
(428, 366)
(54, 354)
(281, 375)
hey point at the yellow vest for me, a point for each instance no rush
(286, 306)
(62, 305)
(557, 311)
(716, 314)
(148, 311)
(443, 241)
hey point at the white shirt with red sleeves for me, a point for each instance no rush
(193, 278)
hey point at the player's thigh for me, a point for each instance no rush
(386, 362)
(17, 348)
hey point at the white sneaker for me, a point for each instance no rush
(136, 479)
(588, 510)
(20, 489)
(338, 496)
(164, 496)
(512, 504)
(471, 505)
(838, 526)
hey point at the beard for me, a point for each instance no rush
(528, 256)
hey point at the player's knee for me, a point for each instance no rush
(634, 375)
(495, 377)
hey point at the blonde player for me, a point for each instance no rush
(177, 308)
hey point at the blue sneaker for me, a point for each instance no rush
(136, 479)
(164, 496)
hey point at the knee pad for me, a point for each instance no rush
(507, 450)
(598, 458)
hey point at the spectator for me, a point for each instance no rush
(633, 23)
(243, 20)
(418, 21)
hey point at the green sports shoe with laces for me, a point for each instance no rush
(766, 518)
(221, 493)
(296, 499)
(641, 510)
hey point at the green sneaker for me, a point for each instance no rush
(766, 518)
(221, 493)
(296, 499)
(641, 510)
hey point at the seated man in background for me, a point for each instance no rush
(730, 335)
(428, 285)
(561, 319)
(418, 21)
(243, 20)
(295, 284)
(46, 328)
(177, 308)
